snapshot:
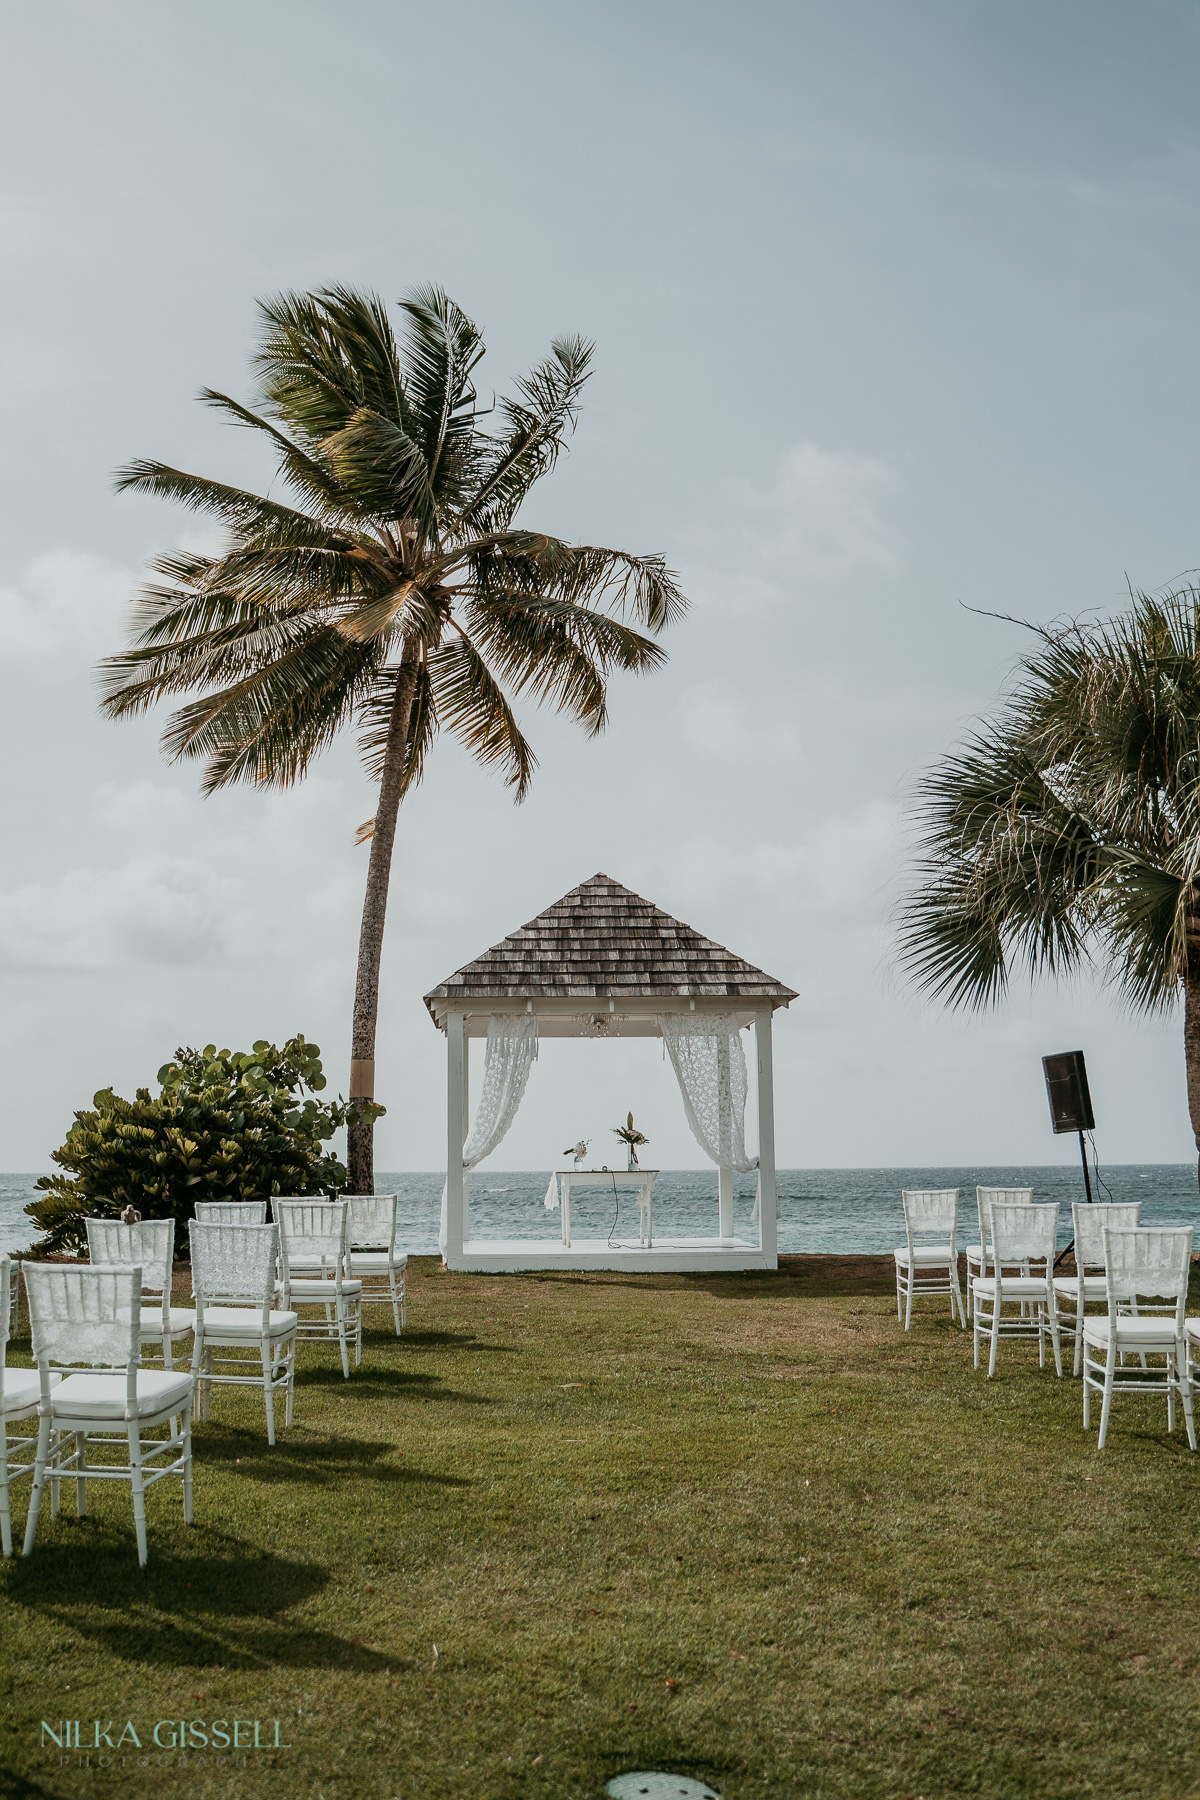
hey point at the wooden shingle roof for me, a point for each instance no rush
(603, 941)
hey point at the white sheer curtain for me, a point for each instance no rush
(710, 1066)
(511, 1049)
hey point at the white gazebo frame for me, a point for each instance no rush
(465, 1014)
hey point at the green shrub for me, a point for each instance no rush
(226, 1125)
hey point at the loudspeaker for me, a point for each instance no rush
(1067, 1092)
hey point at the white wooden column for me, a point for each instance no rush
(766, 1133)
(724, 1168)
(725, 1203)
(466, 1201)
(455, 1136)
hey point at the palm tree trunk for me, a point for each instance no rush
(1191, 1042)
(360, 1147)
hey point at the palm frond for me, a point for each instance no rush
(470, 703)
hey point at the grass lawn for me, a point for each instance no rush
(738, 1527)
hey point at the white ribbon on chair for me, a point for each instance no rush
(710, 1066)
(511, 1049)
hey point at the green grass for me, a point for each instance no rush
(867, 1570)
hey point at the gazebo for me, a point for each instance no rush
(604, 963)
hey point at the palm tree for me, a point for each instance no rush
(1067, 831)
(398, 593)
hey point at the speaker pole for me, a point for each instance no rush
(1083, 1159)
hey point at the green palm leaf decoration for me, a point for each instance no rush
(389, 587)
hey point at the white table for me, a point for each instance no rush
(615, 1180)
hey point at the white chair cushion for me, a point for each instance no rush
(974, 1253)
(1142, 1333)
(323, 1290)
(1094, 1287)
(181, 1321)
(1013, 1287)
(924, 1255)
(373, 1262)
(23, 1388)
(232, 1324)
(1191, 1329)
(102, 1396)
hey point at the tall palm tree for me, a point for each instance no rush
(1067, 831)
(398, 593)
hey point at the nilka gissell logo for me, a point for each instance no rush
(164, 1734)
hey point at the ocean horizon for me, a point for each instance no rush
(822, 1211)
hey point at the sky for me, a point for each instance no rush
(894, 312)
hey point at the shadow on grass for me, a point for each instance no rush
(315, 1461)
(221, 1608)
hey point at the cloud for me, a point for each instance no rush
(155, 909)
(68, 602)
(819, 520)
(712, 722)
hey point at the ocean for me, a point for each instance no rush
(823, 1211)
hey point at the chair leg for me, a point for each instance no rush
(268, 1390)
(995, 1334)
(168, 1353)
(39, 1482)
(403, 1295)
(1110, 1370)
(341, 1329)
(139, 1491)
(187, 1463)
(910, 1283)
(290, 1386)
(1079, 1330)
(1180, 1363)
(5, 1514)
(395, 1299)
(899, 1304)
(1087, 1393)
(975, 1328)
(81, 1474)
(957, 1295)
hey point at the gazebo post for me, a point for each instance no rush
(725, 1201)
(766, 1133)
(455, 1135)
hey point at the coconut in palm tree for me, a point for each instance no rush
(390, 586)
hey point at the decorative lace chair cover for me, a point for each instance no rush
(1023, 1234)
(931, 1212)
(234, 1265)
(232, 1212)
(1147, 1262)
(85, 1315)
(312, 1231)
(1089, 1225)
(986, 1196)
(149, 1246)
(372, 1221)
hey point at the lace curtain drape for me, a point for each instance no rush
(710, 1066)
(511, 1049)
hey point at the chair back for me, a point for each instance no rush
(6, 1323)
(232, 1212)
(931, 1213)
(233, 1265)
(372, 1221)
(85, 1313)
(148, 1246)
(1148, 1262)
(311, 1231)
(985, 1196)
(1023, 1233)
(1089, 1222)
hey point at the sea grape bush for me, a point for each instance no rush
(225, 1125)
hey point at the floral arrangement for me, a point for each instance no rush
(631, 1137)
